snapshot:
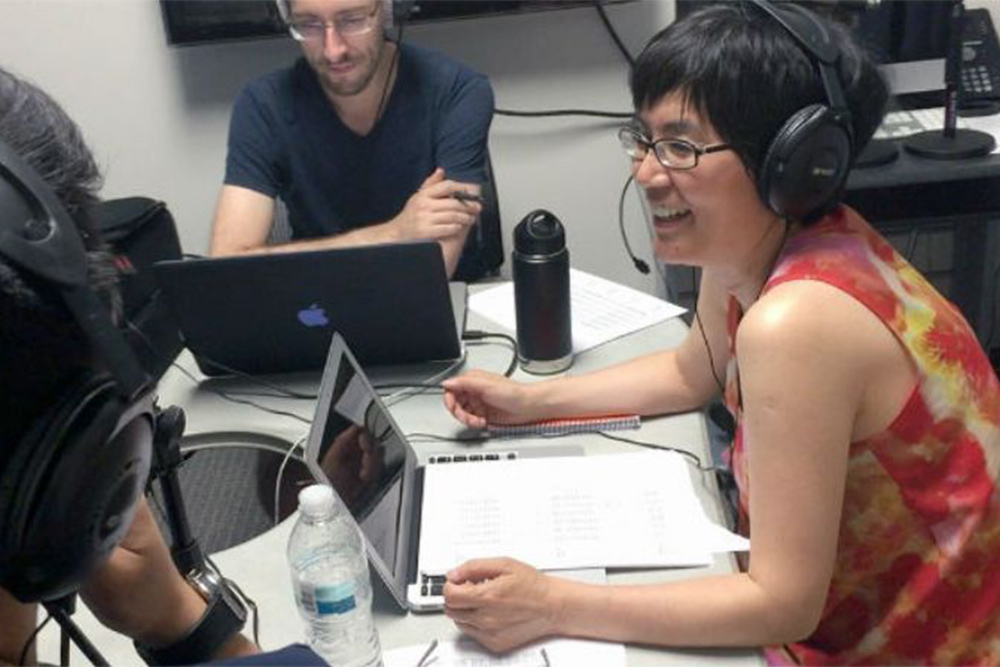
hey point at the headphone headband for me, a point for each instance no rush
(814, 40)
(805, 166)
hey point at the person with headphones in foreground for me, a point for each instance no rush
(867, 439)
(56, 482)
(364, 141)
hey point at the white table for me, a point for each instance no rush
(260, 567)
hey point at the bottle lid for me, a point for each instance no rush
(316, 500)
(539, 233)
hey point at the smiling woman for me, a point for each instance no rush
(867, 416)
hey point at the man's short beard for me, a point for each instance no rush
(362, 85)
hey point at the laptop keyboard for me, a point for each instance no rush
(472, 458)
(903, 123)
(432, 584)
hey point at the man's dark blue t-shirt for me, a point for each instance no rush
(286, 141)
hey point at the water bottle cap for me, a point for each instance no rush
(539, 233)
(316, 500)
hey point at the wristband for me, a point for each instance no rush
(224, 617)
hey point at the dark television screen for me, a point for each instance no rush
(200, 21)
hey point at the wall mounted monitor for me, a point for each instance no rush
(190, 22)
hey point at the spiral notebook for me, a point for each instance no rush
(568, 426)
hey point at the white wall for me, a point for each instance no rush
(157, 116)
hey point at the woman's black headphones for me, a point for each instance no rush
(806, 165)
(69, 491)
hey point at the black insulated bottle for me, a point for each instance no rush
(541, 294)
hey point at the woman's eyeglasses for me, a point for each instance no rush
(671, 152)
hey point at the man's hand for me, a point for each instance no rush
(501, 603)
(433, 213)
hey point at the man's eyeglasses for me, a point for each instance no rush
(672, 153)
(347, 24)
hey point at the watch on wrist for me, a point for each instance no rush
(224, 616)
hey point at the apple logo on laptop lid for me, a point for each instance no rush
(313, 316)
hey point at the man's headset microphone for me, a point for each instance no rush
(805, 167)
(69, 491)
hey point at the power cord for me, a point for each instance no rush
(582, 112)
(281, 472)
(235, 399)
(546, 113)
(282, 391)
(443, 438)
(477, 335)
(614, 34)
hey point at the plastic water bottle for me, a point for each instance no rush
(330, 579)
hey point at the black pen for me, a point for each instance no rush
(462, 195)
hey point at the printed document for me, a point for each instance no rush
(600, 310)
(610, 510)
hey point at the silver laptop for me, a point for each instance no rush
(355, 446)
(277, 313)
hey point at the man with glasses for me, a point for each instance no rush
(363, 140)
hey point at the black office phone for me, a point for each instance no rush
(980, 59)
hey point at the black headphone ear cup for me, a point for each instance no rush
(806, 165)
(68, 495)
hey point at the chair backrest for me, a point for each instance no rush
(483, 254)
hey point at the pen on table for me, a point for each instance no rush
(462, 195)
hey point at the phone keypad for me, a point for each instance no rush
(976, 79)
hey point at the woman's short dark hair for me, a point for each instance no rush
(739, 69)
(40, 344)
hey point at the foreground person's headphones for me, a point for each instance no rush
(806, 165)
(69, 491)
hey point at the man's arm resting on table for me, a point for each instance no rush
(244, 218)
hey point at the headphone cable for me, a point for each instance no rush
(31, 640)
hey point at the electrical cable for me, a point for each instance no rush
(281, 472)
(614, 34)
(420, 387)
(690, 456)
(392, 68)
(235, 399)
(31, 640)
(477, 335)
(407, 385)
(445, 438)
(283, 391)
(562, 112)
(704, 337)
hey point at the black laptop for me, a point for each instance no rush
(277, 313)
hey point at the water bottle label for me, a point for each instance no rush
(327, 600)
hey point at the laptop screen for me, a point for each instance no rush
(357, 448)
